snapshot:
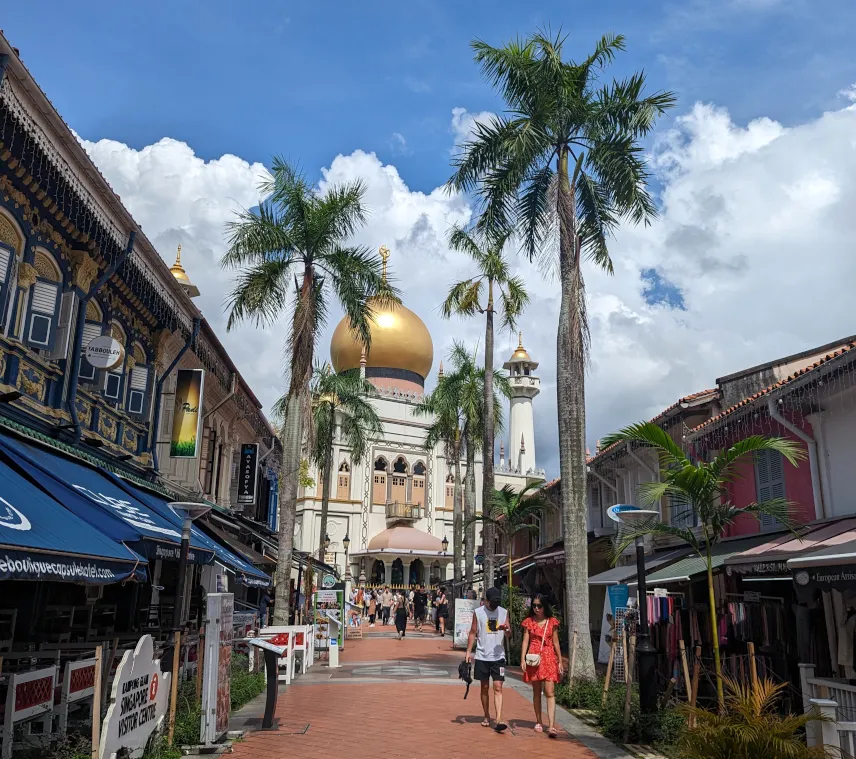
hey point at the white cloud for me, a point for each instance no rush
(848, 93)
(398, 144)
(756, 230)
(464, 123)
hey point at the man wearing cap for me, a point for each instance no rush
(489, 629)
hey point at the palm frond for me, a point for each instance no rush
(722, 466)
(649, 433)
(261, 293)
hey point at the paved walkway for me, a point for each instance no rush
(412, 688)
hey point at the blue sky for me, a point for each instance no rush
(311, 80)
(180, 104)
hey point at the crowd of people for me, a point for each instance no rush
(398, 607)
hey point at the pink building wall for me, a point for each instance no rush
(798, 489)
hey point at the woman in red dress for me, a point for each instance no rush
(541, 638)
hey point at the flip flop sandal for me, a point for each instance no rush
(553, 733)
(500, 727)
(485, 723)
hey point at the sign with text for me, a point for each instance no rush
(248, 473)
(105, 352)
(464, 610)
(618, 595)
(187, 415)
(328, 605)
(138, 702)
(217, 667)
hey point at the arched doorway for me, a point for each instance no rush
(378, 573)
(397, 572)
(417, 572)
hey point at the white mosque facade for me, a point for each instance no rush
(395, 505)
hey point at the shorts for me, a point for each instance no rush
(489, 670)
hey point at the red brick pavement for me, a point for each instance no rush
(432, 719)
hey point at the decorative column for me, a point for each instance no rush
(406, 577)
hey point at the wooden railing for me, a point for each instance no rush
(399, 510)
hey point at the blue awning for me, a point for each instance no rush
(42, 540)
(245, 572)
(90, 494)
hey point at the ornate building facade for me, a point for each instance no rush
(396, 505)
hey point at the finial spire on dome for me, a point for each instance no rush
(181, 275)
(440, 370)
(383, 251)
(178, 256)
(520, 339)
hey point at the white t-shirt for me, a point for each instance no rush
(489, 645)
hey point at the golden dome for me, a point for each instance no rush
(400, 340)
(521, 354)
(181, 276)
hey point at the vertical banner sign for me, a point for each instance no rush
(328, 617)
(217, 663)
(464, 610)
(187, 417)
(248, 472)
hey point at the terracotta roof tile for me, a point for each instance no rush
(800, 373)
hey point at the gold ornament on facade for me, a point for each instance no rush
(26, 275)
(45, 267)
(32, 383)
(93, 312)
(130, 363)
(160, 344)
(9, 234)
(85, 269)
(129, 440)
(107, 426)
(16, 195)
(48, 231)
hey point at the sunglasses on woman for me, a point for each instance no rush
(537, 606)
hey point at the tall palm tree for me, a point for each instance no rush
(291, 254)
(511, 512)
(702, 489)
(563, 167)
(479, 294)
(339, 400)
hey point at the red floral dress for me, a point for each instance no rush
(548, 669)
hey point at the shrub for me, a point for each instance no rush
(585, 694)
(245, 686)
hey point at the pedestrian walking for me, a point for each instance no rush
(372, 608)
(420, 604)
(488, 632)
(385, 605)
(401, 616)
(442, 611)
(541, 660)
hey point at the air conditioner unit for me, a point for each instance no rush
(94, 593)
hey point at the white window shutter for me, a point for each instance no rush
(67, 312)
(5, 259)
(44, 297)
(41, 326)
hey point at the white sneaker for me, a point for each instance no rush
(371, 625)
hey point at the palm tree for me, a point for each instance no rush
(478, 294)
(291, 254)
(510, 512)
(343, 400)
(702, 489)
(563, 165)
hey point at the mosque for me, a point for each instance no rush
(395, 505)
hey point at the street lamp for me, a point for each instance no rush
(326, 542)
(188, 511)
(445, 544)
(636, 518)
(346, 544)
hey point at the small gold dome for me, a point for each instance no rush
(400, 340)
(521, 354)
(181, 276)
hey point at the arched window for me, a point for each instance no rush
(450, 491)
(379, 483)
(11, 247)
(138, 386)
(114, 380)
(93, 327)
(418, 495)
(419, 468)
(398, 486)
(343, 482)
(400, 465)
(43, 301)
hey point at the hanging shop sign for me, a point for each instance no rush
(187, 416)
(105, 352)
(759, 568)
(138, 702)
(328, 581)
(840, 577)
(248, 473)
(217, 667)
(614, 512)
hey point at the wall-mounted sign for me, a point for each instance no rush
(328, 582)
(138, 701)
(105, 352)
(248, 472)
(187, 417)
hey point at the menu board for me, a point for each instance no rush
(328, 605)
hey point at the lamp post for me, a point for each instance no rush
(346, 544)
(445, 543)
(645, 652)
(188, 511)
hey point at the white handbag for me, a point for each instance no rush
(534, 660)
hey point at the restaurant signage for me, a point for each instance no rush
(248, 472)
(187, 416)
(217, 667)
(105, 352)
(825, 578)
(138, 702)
(758, 568)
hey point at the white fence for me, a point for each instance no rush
(836, 700)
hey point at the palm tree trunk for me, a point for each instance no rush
(488, 531)
(457, 518)
(717, 664)
(470, 511)
(288, 482)
(570, 380)
(326, 474)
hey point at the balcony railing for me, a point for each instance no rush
(398, 510)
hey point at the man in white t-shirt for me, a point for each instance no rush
(489, 629)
